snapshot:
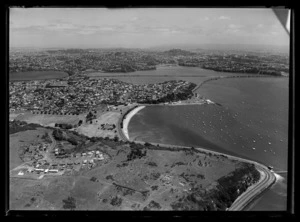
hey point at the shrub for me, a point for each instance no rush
(116, 201)
(94, 179)
(69, 203)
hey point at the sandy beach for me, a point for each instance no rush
(127, 120)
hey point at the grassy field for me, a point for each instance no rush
(94, 129)
(22, 139)
(152, 182)
(50, 120)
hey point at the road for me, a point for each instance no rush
(267, 177)
(53, 144)
(245, 198)
(230, 76)
(266, 180)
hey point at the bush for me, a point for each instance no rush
(69, 203)
(94, 179)
(152, 164)
(116, 201)
(153, 205)
(58, 134)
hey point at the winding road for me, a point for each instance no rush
(266, 180)
(52, 146)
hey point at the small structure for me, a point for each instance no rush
(101, 157)
(21, 173)
(39, 170)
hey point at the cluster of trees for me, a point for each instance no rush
(69, 203)
(18, 126)
(136, 153)
(228, 189)
(60, 135)
(152, 205)
(116, 201)
(65, 125)
(90, 116)
(153, 164)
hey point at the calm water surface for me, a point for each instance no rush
(251, 122)
(161, 74)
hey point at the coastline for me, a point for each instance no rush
(127, 119)
(266, 180)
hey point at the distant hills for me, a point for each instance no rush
(223, 47)
(177, 52)
(179, 49)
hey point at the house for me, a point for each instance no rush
(39, 170)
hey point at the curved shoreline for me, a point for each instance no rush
(254, 191)
(127, 119)
(267, 177)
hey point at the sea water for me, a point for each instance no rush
(251, 122)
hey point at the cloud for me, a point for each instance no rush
(224, 17)
(260, 26)
(233, 26)
(134, 19)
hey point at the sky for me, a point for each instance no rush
(142, 27)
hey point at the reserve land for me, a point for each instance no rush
(135, 177)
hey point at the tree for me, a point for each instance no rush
(116, 139)
(69, 203)
(58, 134)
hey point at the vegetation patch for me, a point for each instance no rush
(69, 203)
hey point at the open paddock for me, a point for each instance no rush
(94, 129)
(50, 120)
